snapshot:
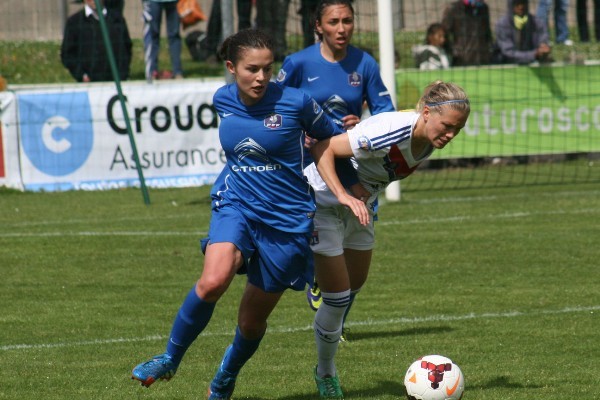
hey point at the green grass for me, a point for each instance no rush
(28, 62)
(504, 281)
(31, 62)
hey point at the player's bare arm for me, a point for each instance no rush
(324, 153)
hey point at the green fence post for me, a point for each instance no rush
(117, 79)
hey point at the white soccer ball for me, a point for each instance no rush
(434, 377)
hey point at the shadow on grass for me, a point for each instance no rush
(503, 382)
(355, 336)
(396, 389)
(383, 388)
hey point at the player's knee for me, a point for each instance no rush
(211, 288)
(252, 329)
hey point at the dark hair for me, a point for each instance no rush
(433, 28)
(236, 44)
(323, 4)
(439, 94)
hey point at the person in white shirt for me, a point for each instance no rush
(385, 147)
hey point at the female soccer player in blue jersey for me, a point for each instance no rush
(262, 211)
(339, 76)
(386, 147)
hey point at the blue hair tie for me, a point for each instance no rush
(441, 103)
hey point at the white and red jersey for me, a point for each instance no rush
(382, 151)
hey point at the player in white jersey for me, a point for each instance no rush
(386, 147)
(261, 221)
(342, 79)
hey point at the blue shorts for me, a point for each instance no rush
(273, 260)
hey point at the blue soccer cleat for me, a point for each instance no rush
(160, 367)
(222, 385)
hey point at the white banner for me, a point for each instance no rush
(75, 136)
(9, 142)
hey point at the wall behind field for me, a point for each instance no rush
(44, 19)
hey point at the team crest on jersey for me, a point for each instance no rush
(355, 79)
(273, 121)
(281, 75)
(364, 143)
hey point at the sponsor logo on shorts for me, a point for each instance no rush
(314, 238)
(364, 143)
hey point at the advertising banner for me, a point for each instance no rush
(75, 137)
(518, 110)
(9, 142)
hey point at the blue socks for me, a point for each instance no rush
(192, 318)
(238, 353)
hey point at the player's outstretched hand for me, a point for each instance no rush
(357, 206)
(350, 121)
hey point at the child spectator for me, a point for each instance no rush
(432, 54)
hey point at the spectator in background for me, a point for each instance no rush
(83, 51)
(582, 22)
(521, 37)
(467, 24)
(560, 18)
(244, 12)
(432, 54)
(271, 17)
(153, 10)
(115, 5)
(208, 44)
(307, 13)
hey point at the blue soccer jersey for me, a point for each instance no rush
(264, 147)
(341, 87)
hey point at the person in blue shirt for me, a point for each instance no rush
(339, 76)
(262, 211)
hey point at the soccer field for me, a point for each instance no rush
(504, 281)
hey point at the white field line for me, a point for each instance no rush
(379, 223)
(465, 199)
(108, 233)
(490, 216)
(283, 330)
